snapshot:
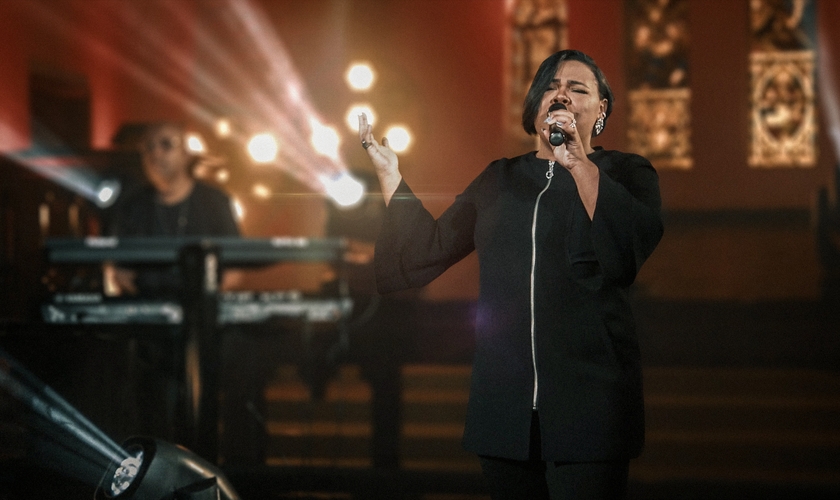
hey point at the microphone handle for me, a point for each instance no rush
(556, 136)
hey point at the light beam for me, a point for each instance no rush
(247, 70)
(72, 173)
(48, 404)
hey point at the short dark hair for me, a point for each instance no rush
(545, 75)
(151, 128)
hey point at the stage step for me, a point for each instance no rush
(703, 424)
(745, 425)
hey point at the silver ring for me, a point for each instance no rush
(365, 144)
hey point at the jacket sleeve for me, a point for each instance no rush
(413, 248)
(627, 222)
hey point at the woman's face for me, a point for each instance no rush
(576, 87)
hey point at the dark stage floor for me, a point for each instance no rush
(743, 402)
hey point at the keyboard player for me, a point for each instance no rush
(171, 203)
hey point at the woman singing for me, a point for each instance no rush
(555, 408)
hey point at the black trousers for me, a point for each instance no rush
(534, 479)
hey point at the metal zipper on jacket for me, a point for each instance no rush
(548, 175)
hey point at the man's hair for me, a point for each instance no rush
(153, 127)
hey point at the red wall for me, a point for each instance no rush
(14, 97)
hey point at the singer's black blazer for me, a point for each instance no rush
(589, 391)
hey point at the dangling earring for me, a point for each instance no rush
(599, 125)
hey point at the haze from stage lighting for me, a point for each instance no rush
(273, 100)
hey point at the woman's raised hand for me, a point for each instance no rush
(384, 159)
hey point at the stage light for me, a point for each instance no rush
(71, 172)
(126, 473)
(360, 76)
(263, 148)
(157, 470)
(222, 175)
(399, 138)
(195, 144)
(353, 113)
(107, 193)
(325, 139)
(345, 190)
(143, 468)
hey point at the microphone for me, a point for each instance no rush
(556, 136)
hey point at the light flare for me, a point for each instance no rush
(399, 138)
(195, 143)
(263, 148)
(360, 76)
(344, 189)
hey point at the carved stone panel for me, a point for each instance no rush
(659, 123)
(783, 122)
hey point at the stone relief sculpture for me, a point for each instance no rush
(659, 122)
(783, 119)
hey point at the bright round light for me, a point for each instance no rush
(263, 148)
(223, 127)
(360, 76)
(195, 144)
(399, 138)
(125, 474)
(344, 190)
(325, 139)
(353, 113)
(107, 193)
